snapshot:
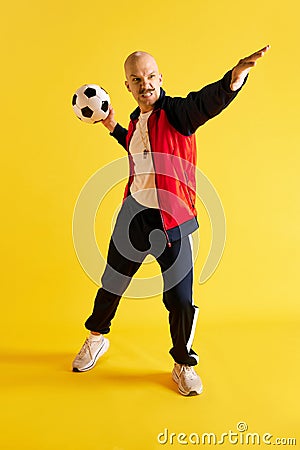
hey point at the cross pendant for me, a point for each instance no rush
(145, 152)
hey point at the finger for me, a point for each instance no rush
(258, 54)
(242, 65)
(253, 57)
(111, 111)
(265, 49)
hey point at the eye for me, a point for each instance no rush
(135, 80)
(152, 75)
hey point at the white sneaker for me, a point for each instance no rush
(189, 383)
(89, 354)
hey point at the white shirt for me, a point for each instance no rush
(143, 187)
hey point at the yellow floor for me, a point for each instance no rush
(249, 365)
(128, 399)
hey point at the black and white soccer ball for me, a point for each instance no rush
(91, 103)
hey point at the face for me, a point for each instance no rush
(143, 81)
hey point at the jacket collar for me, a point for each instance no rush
(135, 114)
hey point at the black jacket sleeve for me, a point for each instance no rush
(187, 114)
(120, 134)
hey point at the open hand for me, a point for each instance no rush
(241, 70)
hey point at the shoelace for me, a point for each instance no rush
(189, 371)
(86, 346)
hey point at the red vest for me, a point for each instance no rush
(174, 160)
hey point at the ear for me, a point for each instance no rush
(160, 79)
(127, 85)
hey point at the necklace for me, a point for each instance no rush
(144, 139)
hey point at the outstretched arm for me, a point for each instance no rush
(241, 70)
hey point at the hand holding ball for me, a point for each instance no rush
(91, 103)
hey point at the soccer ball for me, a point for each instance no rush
(91, 103)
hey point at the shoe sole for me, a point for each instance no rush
(101, 352)
(180, 389)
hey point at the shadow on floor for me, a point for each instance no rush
(26, 369)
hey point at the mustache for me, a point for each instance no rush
(146, 91)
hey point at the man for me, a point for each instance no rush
(158, 212)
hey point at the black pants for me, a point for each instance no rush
(137, 233)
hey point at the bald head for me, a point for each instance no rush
(143, 79)
(137, 59)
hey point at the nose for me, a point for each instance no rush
(145, 84)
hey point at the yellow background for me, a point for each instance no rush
(247, 334)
